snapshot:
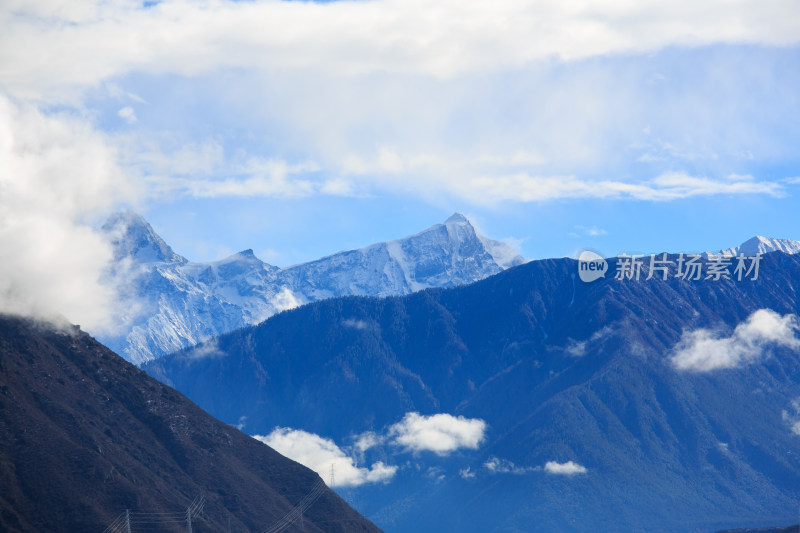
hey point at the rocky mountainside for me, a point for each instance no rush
(617, 405)
(87, 435)
(170, 303)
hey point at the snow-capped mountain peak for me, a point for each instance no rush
(244, 257)
(183, 302)
(457, 218)
(444, 255)
(763, 245)
(503, 254)
(132, 237)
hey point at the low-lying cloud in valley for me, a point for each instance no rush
(569, 468)
(495, 465)
(441, 433)
(206, 349)
(321, 454)
(703, 350)
(352, 323)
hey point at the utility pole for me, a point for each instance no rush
(188, 520)
(127, 521)
(332, 478)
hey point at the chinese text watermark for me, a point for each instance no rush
(690, 267)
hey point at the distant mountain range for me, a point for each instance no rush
(657, 405)
(87, 436)
(171, 303)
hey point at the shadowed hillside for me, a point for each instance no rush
(86, 435)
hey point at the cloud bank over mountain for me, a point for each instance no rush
(325, 457)
(440, 433)
(704, 350)
(57, 176)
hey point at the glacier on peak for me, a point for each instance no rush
(179, 303)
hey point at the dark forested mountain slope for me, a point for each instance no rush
(561, 371)
(85, 435)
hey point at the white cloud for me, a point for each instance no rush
(285, 300)
(352, 323)
(496, 465)
(466, 473)
(565, 469)
(127, 114)
(207, 349)
(256, 177)
(400, 108)
(179, 166)
(162, 156)
(118, 93)
(576, 348)
(57, 177)
(523, 187)
(399, 36)
(792, 416)
(703, 350)
(319, 454)
(203, 169)
(366, 441)
(435, 473)
(440, 433)
(593, 231)
(490, 184)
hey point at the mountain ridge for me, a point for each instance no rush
(562, 372)
(175, 303)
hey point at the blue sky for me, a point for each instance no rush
(299, 129)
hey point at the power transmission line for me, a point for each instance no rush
(132, 521)
(297, 511)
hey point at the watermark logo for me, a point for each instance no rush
(689, 267)
(591, 266)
